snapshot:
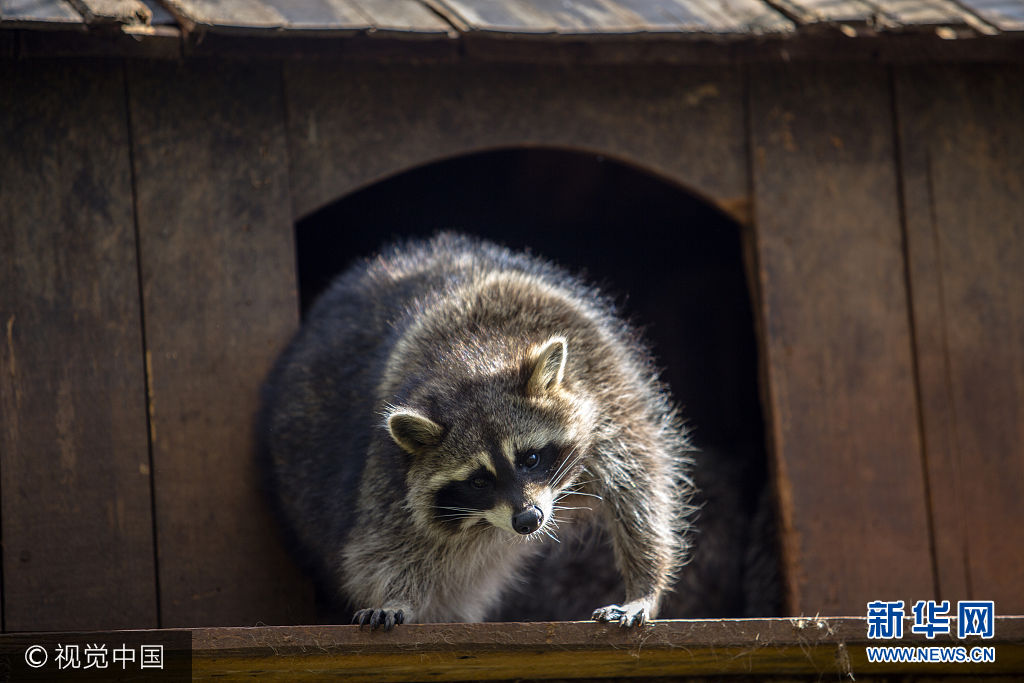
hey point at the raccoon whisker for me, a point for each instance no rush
(570, 507)
(565, 493)
(457, 512)
(550, 535)
(567, 465)
(561, 467)
(577, 485)
(454, 509)
(581, 493)
(564, 466)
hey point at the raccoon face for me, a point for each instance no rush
(516, 494)
(499, 451)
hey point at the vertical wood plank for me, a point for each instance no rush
(77, 525)
(962, 152)
(219, 290)
(838, 343)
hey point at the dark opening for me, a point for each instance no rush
(672, 260)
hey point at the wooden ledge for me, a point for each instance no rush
(495, 651)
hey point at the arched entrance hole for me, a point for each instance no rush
(670, 258)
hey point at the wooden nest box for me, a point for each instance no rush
(155, 158)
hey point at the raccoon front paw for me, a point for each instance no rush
(630, 614)
(377, 618)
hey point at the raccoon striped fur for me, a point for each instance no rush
(450, 406)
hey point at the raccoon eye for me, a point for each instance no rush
(531, 461)
(479, 483)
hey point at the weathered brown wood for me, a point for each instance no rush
(77, 526)
(837, 338)
(403, 17)
(38, 14)
(860, 18)
(679, 19)
(375, 16)
(324, 14)
(962, 152)
(164, 42)
(329, 17)
(685, 124)
(880, 14)
(8, 44)
(219, 294)
(820, 649)
(113, 12)
(815, 46)
(618, 16)
(1006, 15)
(824, 11)
(145, 42)
(201, 15)
(931, 13)
(699, 650)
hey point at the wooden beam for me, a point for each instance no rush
(698, 650)
(686, 124)
(798, 648)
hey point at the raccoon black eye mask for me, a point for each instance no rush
(466, 404)
(515, 491)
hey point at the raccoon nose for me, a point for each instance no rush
(528, 520)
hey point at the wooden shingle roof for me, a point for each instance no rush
(536, 21)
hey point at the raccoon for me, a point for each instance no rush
(450, 406)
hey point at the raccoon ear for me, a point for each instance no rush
(413, 432)
(548, 365)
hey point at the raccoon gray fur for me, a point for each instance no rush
(449, 407)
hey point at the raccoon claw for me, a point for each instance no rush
(628, 615)
(377, 618)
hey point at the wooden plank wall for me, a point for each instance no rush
(219, 293)
(962, 156)
(347, 132)
(83, 349)
(148, 281)
(76, 514)
(838, 350)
